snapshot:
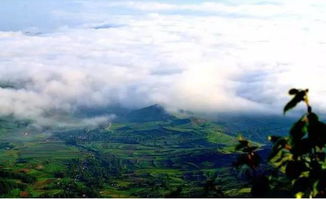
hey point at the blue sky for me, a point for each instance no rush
(18, 15)
(199, 56)
(41, 15)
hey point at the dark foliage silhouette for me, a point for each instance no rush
(297, 160)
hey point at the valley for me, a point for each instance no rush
(146, 153)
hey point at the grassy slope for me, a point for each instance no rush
(180, 154)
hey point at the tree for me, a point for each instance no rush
(299, 157)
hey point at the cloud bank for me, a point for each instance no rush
(207, 57)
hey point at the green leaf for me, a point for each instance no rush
(254, 160)
(316, 130)
(298, 130)
(278, 145)
(242, 145)
(301, 147)
(293, 91)
(295, 100)
(320, 156)
(301, 185)
(295, 168)
(316, 170)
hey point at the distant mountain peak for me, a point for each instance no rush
(154, 112)
(154, 107)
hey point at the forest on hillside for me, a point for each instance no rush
(163, 156)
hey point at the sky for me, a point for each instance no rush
(59, 56)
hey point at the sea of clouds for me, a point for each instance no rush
(212, 56)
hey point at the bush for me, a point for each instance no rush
(299, 157)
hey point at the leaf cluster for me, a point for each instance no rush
(249, 155)
(300, 156)
(248, 163)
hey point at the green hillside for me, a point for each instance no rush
(159, 156)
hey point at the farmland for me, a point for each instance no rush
(166, 156)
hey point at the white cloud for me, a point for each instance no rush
(194, 62)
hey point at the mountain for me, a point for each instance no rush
(256, 127)
(147, 152)
(144, 153)
(149, 114)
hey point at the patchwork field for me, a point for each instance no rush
(168, 158)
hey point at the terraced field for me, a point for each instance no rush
(176, 157)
